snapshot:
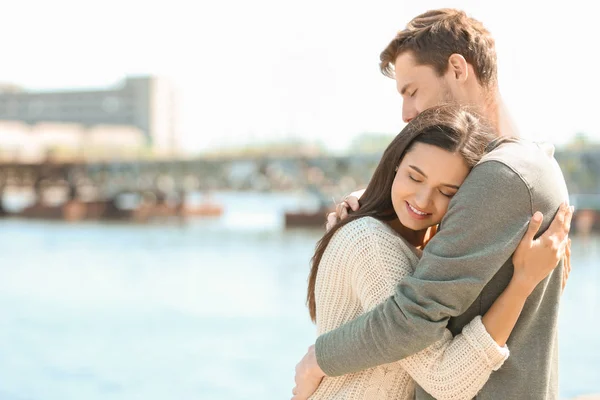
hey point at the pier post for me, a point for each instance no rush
(2, 210)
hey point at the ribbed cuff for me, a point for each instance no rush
(482, 342)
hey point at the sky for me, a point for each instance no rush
(269, 70)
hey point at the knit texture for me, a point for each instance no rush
(360, 268)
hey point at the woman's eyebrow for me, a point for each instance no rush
(418, 170)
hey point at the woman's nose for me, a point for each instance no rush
(422, 198)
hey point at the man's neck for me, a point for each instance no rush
(495, 110)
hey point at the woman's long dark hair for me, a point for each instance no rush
(449, 127)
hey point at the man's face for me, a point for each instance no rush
(420, 86)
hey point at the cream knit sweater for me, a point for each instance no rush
(362, 264)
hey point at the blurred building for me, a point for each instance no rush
(146, 103)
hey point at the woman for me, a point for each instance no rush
(359, 261)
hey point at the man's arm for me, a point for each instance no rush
(484, 224)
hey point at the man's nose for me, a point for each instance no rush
(408, 113)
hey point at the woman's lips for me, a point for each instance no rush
(415, 213)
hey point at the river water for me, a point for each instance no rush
(207, 309)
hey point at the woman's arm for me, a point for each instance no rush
(451, 368)
(457, 368)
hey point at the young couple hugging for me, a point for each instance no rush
(422, 287)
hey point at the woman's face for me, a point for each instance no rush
(426, 180)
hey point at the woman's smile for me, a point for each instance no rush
(416, 213)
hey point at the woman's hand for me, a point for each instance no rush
(567, 265)
(534, 259)
(341, 209)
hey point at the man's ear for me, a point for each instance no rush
(458, 67)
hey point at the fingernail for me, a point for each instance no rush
(537, 216)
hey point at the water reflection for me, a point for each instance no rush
(209, 309)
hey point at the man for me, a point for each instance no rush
(443, 55)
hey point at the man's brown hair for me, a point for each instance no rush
(434, 36)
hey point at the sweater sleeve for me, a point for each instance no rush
(457, 368)
(449, 369)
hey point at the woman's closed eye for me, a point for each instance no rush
(412, 178)
(447, 194)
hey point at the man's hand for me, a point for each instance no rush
(341, 209)
(308, 376)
